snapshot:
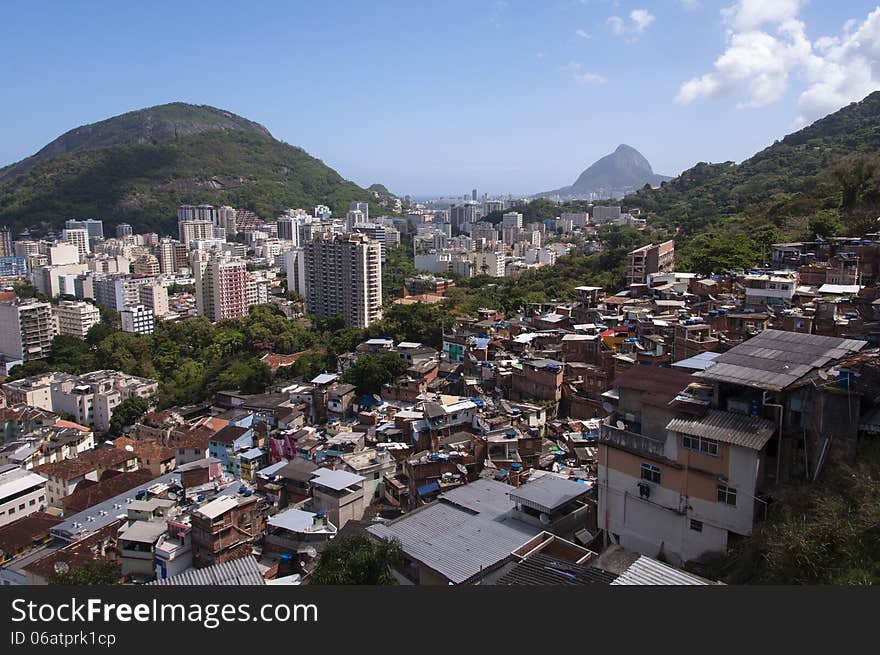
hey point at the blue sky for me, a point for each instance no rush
(510, 96)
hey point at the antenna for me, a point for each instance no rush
(621, 425)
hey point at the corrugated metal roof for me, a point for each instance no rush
(647, 571)
(748, 431)
(774, 360)
(459, 540)
(548, 493)
(237, 572)
(542, 569)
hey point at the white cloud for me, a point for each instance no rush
(767, 46)
(583, 34)
(584, 77)
(689, 5)
(639, 20)
(617, 25)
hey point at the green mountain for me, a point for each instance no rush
(381, 189)
(625, 169)
(138, 167)
(828, 166)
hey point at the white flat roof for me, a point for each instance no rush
(840, 288)
(336, 480)
(17, 481)
(295, 520)
(325, 378)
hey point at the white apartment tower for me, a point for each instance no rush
(189, 231)
(80, 238)
(138, 319)
(76, 318)
(343, 277)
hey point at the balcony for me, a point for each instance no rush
(626, 440)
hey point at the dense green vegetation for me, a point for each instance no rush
(127, 413)
(193, 359)
(399, 265)
(358, 560)
(823, 179)
(97, 572)
(142, 182)
(370, 372)
(824, 533)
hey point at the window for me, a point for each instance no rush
(696, 526)
(651, 473)
(700, 445)
(726, 495)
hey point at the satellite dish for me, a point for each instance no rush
(462, 468)
(608, 407)
(311, 552)
(61, 568)
(545, 520)
(172, 496)
(621, 425)
(823, 374)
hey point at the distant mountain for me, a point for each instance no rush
(381, 189)
(139, 166)
(624, 170)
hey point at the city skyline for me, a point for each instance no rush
(434, 101)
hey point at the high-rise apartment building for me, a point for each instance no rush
(197, 213)
(343, 276)
(195, 230)
(76, 318)
(221, 288)
(120, 291)
(138, 319)
(6, 248)
(154, 297)
(226, 219)
(287, 229)
(123, 230)
(27, 328)
(146, 265)
(79, 237)
(94, 228)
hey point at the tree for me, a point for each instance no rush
(96, 572)
(825, 223)
(358, 560)
(33, 367)
(370, 372)
(71, 355)
(126, 413)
